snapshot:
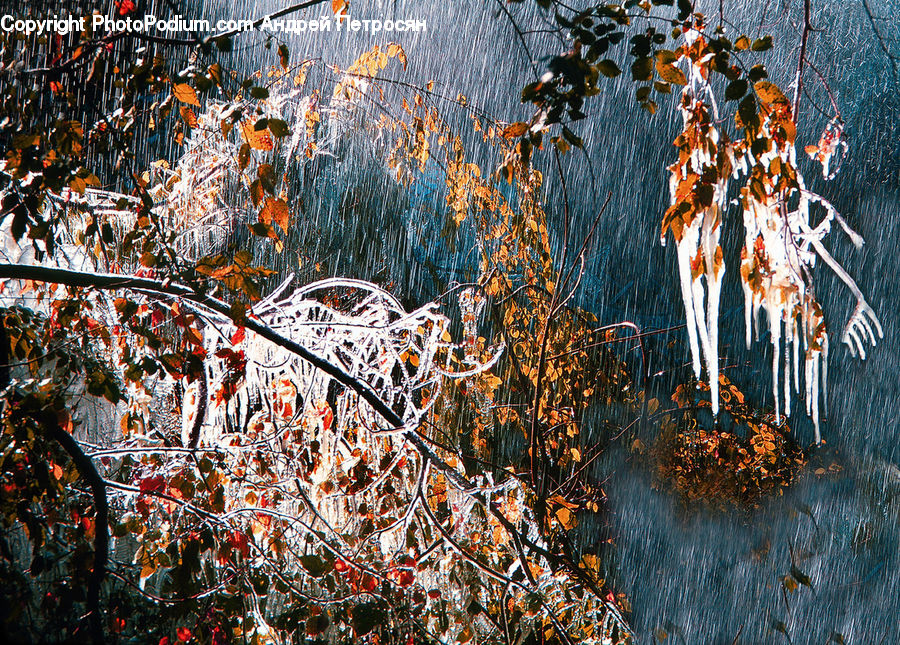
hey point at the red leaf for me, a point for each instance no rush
(125, 7)
(153, 484)
(239, 541)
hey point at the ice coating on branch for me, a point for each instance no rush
(781, 243)
(831, 149)
(698, 184)
(780, 250)
(357, 326)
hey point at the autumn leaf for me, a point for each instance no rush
(769, 93)
(77, 185)
(339, 7)
(396, 51)
(608, 68)
(152, 484)
(188, 115)
(566, 518)
(669, 73)
(256, 139)
(186, 94)
(515, 130)
(275, 210)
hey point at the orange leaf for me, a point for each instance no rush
(769, 93)
(186, 94)
(275, 210)
(515, 130)
(188, 115)
(257, 139)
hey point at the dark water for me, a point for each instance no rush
(702, 576)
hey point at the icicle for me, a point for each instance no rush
(715, 269)
(788, 341)
(775, 328)
(797, 341)
(687, 248)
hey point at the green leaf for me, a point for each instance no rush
(747, 110)
(259, 92)
(642, 69)
(572, 138)
(316, 566)
(779, 626)
(608, 68)
(223, 43)
(530, 92)
(279, 128)
(757, 72)
(366, 616)
(736, 90)
(762, 44)
(801, 577)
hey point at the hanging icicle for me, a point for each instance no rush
(780, 242)
(698, 184)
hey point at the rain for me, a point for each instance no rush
(690, 573)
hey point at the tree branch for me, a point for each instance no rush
(88, 471)
(798, 83)
(891, 57)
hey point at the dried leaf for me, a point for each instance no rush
(186, 94)
(275, 210)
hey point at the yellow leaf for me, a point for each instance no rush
(186, 94)
(669, 73)
(566, 518)
(769, 93)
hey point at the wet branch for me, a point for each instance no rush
(88, 471)
(804, 38)
(893, 58)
